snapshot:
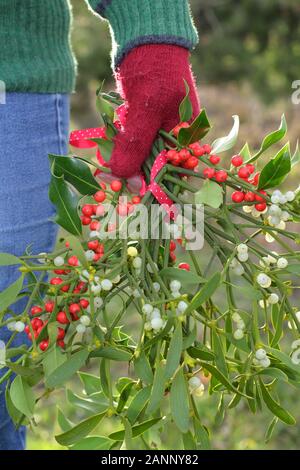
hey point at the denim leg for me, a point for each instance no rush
(31, 126)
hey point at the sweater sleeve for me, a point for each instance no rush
(138, 22)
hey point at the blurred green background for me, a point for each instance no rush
(245, 64)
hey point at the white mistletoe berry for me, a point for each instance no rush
(94, 234)
(282, 263)
(106, 284)
(147, 326)
(275, 198)
(238, 334)
(260, 354)
(264, 280)
(290, 196)
(269, 238)
(147, 309)
(296, 344)
(89, 254)
(265, 362)
(274, 210)
(137, 262)
(247, 209)
(285, 216)
(136, 294)
(175, 285)
(85, 320)
(194, 382)
(242, 248)
(157, 323)
(19, 326)
(296, 357)
(273, 299)
(98, 302)
(132, 252)
(58, 261)
(11, 325)
(182, 306)
(95, 288)
(156, 286)
(155, 313)
(239, 270)
(243, 257)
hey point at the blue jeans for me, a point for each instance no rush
(31, 126)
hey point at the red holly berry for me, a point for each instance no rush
(255, 180)
(221, 176)
(206, 148)
(87, 210)
(100, 248)
(36, 310)
(244, 172)
(100, 211)
(122, 210)
(93, 245)
(237, 160)
(85, 220)
(261, 206)
(97, 256)
(249, 196)
(191, 163)
(171, 154)
(172, 256)
(61, 343)
(27, 329)
(73, 261)
(197, 149)
(60, 272)
(209, 172)
(184, 155)
(238, 196)
(136, 200)
(36, 323)
(74, 309)
(99, 196)
(65, 288)
(214, 159)
(95, 226)
(182, 125)
(250, 167)
(261, 198)
(38, 331)
(102, 185)
(67, 244)
(60, 333)
(44, 345)
(116, 186)
(62, 318)
(172, 245)
(81, 286)
(184, 266)
(84, 303)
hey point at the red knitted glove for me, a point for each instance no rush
(150, 79)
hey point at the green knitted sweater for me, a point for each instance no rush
(35, 52)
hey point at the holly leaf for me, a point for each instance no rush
(271, 139)
(197, 130)
(226, 143)
(245, 152)
(211, 194)
(76, 172)
(276, 170)
(186, 108)
(65, 201)
(106, 148)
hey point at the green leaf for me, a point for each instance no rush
(115, 354)
(211, 194)
(188, 441)
(124, 396)
(226, 143)
(136, 430)
(15, 414)
(186, 108)
(221, 378)
(80, 431)
(52, 359)
(9, 260)
(66, 370)
(296, 156)
(10, 294)
(65, 201)
(202, 435)
(274, 407)
(189, 340)
(205, 293)
(197, 130)
(143, 369)
(158, 389)
(245, 152)
(22, 396)
(174, 352)
(76, 172)
(104, 371)
(274, 373)
(271, 139)
(201, 353)
(283, 358)
(185, 277)
(93, 443)
(90, 382)
(274, 173)
(293, 268)
(22, 370)
(97, 403)
(179, 402)
(77, 250)
(278, 322)
(138, 404)
(104, 107)
(106, 148)
(219, 353)
(270, 429)
(64, 423)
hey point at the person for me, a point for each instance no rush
(151, 47)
